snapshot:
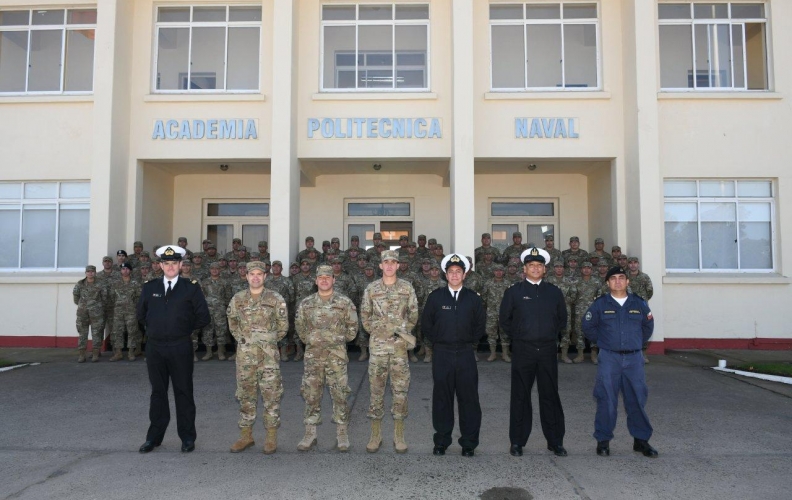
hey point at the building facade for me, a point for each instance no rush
(657, 126)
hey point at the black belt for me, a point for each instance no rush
(624, 352)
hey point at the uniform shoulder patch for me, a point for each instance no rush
(194, 282)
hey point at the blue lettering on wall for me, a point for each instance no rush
(215, 129)
(546, 128)
(374, 128)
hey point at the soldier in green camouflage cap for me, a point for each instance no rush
(217, 293)
(325, 322)
(588, 289)
(515, 249)
(486, 247)
(277, 282)
(574, 249)
(640, 285)
(90, 296)
(368, 277)
(568, 288)
(494, 288)
(428, 286)
(258, 319)
(421, 250)
(304, 285)
(550, 248)
(124, 294)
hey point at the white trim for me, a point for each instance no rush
(762, 376)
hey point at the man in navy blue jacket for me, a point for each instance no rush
(620, 323)
(171, 308)
(453, 319)
(533, 312)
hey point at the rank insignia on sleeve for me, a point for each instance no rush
(194, 282)
(588, 315)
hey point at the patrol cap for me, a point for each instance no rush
(107, 258)
(255, 255)
(369, 266)
(145, 266)
(185, 263)
(586, 264)
(121, 252)
(211, 246)
(549, 237)
(214, 265)
(558, 262)
(277, 263)
(242, 249)
(599, 240)
(412, 244)
(534, 254)
(498, 267)
(206, 242)
(171, 252)
(403, 237)
(336, 260)
(353, 249)
(390, 255)
(324, 270)
(363, 257)
(355, 238)
(237, 240)
(90, 268)
(516, 234)
(623, 257)
(335, 240)
(182, 238)
(256, 264)
(137, 244)
(513, 263)
(305, 261)
(432, 241)
(145, 253)
(294, 264)
(377, 236)
(454, 260)
(632, 258)
(156, 259)
(313, 250)
(615, 248)
(267, 262)
(232, 259)
(263, 243)
(433, 264)
(380, 244)
(573, 257)
(198, 255)
(222, 257)
(574, 238)
(439, 246)
(326, 243)
(486, 235)
(421, 237)
(613, 271)
(603, 263)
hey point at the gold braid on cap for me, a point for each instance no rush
(455, 258)
(534, 252)
(169, 252)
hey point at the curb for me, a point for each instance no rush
(762, 376)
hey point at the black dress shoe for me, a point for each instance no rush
(558, 449)
(148, 446)
(439, 450)
(515, 450)
(603, 448)
(467, 452)
(644, 447)
(188, 446)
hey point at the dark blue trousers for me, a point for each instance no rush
(621, 372)
(455, 373)
(166, 362)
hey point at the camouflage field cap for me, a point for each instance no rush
(138, 244)
(432, 241)
(412, 244)
(390, 255)
(305, 261)
(294, 264)
(107, 258)
(267, 262)
(182, 238)
(380, 244)
(602, 263)
(632, 258)
(336, 260)
(277, 263)
(237, 240)
(615, 248)
(513, 263)
(421, 237)
(498, 267)
(211, 246)
(232, 259)
(324, 270)
(355, 250)
(572, 257)
(377, 236)
(335, 240)
(517, 234)
(549, 237)
(242, 249)
(402, 237)
(355, 238)
(434, 265)
(486, 235)
(222, 257)
(558, 263)
(214, 265)
(207, 242)
(256, 264)
(369, 266)
(587, 264)
(90, 268)
(574, 238)
(145, 253)
(145, 266)
(438, 245)
(185, 263)
(255, 255)
(263, 243)
(326, 243)
(362, 257)
(599, 240)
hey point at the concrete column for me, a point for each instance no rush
(285, 183)
(112, 59)
(462, 156)
(644, 180)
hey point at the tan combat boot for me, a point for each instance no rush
(398, 437)
(81, 357)
(594, 354)
(95, 353)
(117, 355)
(232, 357)
(245, 440)
(342, 437)
(131, 355)
(138, 350)
(422, 350)
(221, 352)
(505, 353)
(580, 356)
(309, 440)
(271, 441)
(208, 354)
(376, 436)
(300, 352)
(284, 353)
(493, 355)
(428, 357)
(565, 355)
(363, 354)
(413, 357)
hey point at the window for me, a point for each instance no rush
(392, 217)
(544, 46)
(375, 47)
(44, 225)
(225, 220)
(208, 49)
(713, 46)
(534, 218)
(47, 51)
(719, 225)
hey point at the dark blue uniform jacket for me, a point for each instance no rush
(533, 313)
(455, 323)
(175, 317)
(618, 328)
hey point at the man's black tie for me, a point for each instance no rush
(455, 293)
(168, 291)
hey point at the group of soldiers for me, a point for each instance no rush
(107, 298)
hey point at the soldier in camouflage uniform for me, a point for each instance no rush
(615, 254)
(211, 255)
(236, 243)
(588, 288)
(388, 307)
(411, 257)
(182, 242)
(323, 255)
(199, 271)
(573, 267)
(343, 283)
(124, 294)
(425, 288)
(568, 288)
(350, 264)
(277, 282)
(90, 296)
(599, 251)
(303, 254)
(623, 262)
(486, 247)
(218, 294)
(263, 249)
(205, 245)
(574, 250)
(405, 273)
(422, 252)
(438, 253)
(368, 277)
(493, 295)
(325, 322)
(515, 249)
(239, 282)
(186, 270)
(106, 276)
(512, 271)
(487, 263)
(231, 271)
(258, 319)
(602, 269)
(144, 273)
(304, 285)
(372, 252)
(640, 285)
(550, 248)
(134, 259)
(473, 278)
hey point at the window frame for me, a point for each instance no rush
(190, 24)
(731, 23)
(21, 202)
(236, 221)
(393, 22)
(523, 221)
(560, 22)
(64, 27)
(375, 220)
(736, 199)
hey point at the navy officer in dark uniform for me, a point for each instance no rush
(533, 312)
(620, 323)
(171, 308)
(453, 319)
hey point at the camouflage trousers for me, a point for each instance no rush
(126, 321)
(216, 329)
(258, 369)
(108, 324)
(493, 329)
(95, 320)
(362, 339)
(325, 367)
(379, 366)
(566, 336)
(579, 311)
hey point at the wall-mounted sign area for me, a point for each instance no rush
(546, 128)
(374, 128)
(231, 128)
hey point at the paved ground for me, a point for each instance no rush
(72, 431)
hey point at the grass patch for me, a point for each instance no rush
(5, 362)
(782, 369)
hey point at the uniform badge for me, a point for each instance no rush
(588, 315)
(649, 316)
(156, 295)
(169, 252)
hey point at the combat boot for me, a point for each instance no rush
(565, 355)
(428, 357)
(363, 354)
(398, 436)
(81, 357)
(95, 353)
(413, 357)
(208, 354)
(300, 352)
(309, 440)
(284, 353)
(117, 355)
(131, 355)
(342, 437)
(580, 356)
(505, 353)
(493, 354)
(232, 357)
(376, 436)
(594, 354)
(271, 441)
(245, 440)
(221, 352)
(138, 350)
(422, 350)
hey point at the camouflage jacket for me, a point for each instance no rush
(512, 251)
(124, 296)
(259, 319)
(384, 310)
(426, 287)
(580, 254)
(345, 285)
(217, 292)
(282, 285)
(493, 294)
(568, 287)
(475, 282)
(641, 285)
(90, 295)
(303, 286)
(326, 324)
(478, 254)
(587, 291)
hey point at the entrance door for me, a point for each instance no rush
(534, 218)
(393, 217)
(392, 231)
(225, 220)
